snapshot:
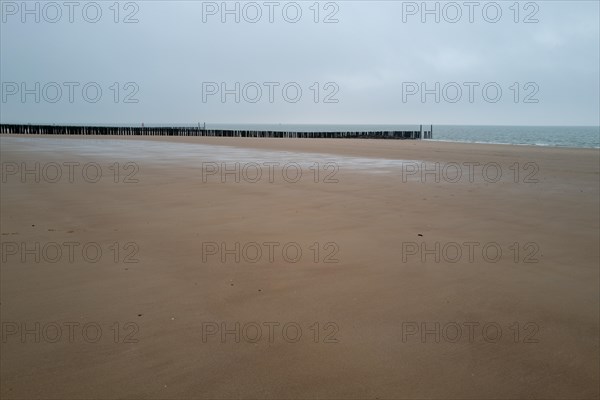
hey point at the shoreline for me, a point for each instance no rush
(299, 143)
(515, 144)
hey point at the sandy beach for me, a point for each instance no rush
(310, 268)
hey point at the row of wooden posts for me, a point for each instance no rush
(200, 131)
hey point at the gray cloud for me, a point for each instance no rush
(369, 55)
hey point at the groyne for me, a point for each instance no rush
(82, 130)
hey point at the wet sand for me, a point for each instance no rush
(382, 311)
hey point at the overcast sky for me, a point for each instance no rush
(369, 67)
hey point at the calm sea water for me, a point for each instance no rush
(558, 136)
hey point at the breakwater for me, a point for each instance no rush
(201, 131)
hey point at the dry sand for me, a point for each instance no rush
(367, 305)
